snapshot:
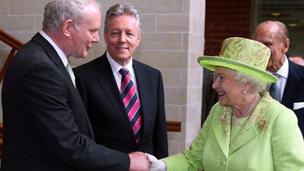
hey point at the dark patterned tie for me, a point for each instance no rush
(131, 102)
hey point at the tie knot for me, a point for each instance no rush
(68, 66)
(123, 72)
(70, 71)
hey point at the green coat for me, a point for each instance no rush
(270, 141)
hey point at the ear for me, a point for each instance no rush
(139, 39)
(68, 26)
(247, 87)
(106, 37)
(286, 44)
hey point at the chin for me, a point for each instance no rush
(85, 55)
(124, 58)
(122, 55)
(222, 102)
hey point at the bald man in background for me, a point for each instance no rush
(274, 34)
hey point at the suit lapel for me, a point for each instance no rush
(52, 54)
(244, 137)
(54, 57)
(108, 85)
(143, 87)
(288, 94)
(221, 130)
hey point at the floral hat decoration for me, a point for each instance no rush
(243, 55)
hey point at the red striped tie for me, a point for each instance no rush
(131, 102)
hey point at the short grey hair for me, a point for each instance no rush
(119, 10)
(257, 85)
(58, 11)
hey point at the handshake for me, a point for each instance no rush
(145, 162)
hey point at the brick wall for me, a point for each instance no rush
(225, 18)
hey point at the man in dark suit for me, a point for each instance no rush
(100, 82)
(46, 127)
(274, 34)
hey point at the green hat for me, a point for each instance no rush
(243, 55)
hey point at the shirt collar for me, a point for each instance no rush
(283, 71)
(61, 54)
(116, 66)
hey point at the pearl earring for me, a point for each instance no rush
(244, 91)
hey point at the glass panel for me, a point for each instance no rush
(291, 13)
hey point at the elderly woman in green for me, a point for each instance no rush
(246, 130)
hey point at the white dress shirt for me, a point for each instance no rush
(283, 75)
(115, 70)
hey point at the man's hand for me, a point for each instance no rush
(139, 162)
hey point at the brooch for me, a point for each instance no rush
(263, 124)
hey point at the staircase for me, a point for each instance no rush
(14, 44)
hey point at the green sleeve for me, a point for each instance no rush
(191, 159)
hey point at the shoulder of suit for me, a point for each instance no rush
(297, 71)
(32, 53)
(91, 65)
(137, 63)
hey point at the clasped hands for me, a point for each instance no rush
(145, 162)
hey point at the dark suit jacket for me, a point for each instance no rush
(111, 125)
(46, 127)
(294, 91)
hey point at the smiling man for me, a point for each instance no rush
(124, 98)
(46, 127)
